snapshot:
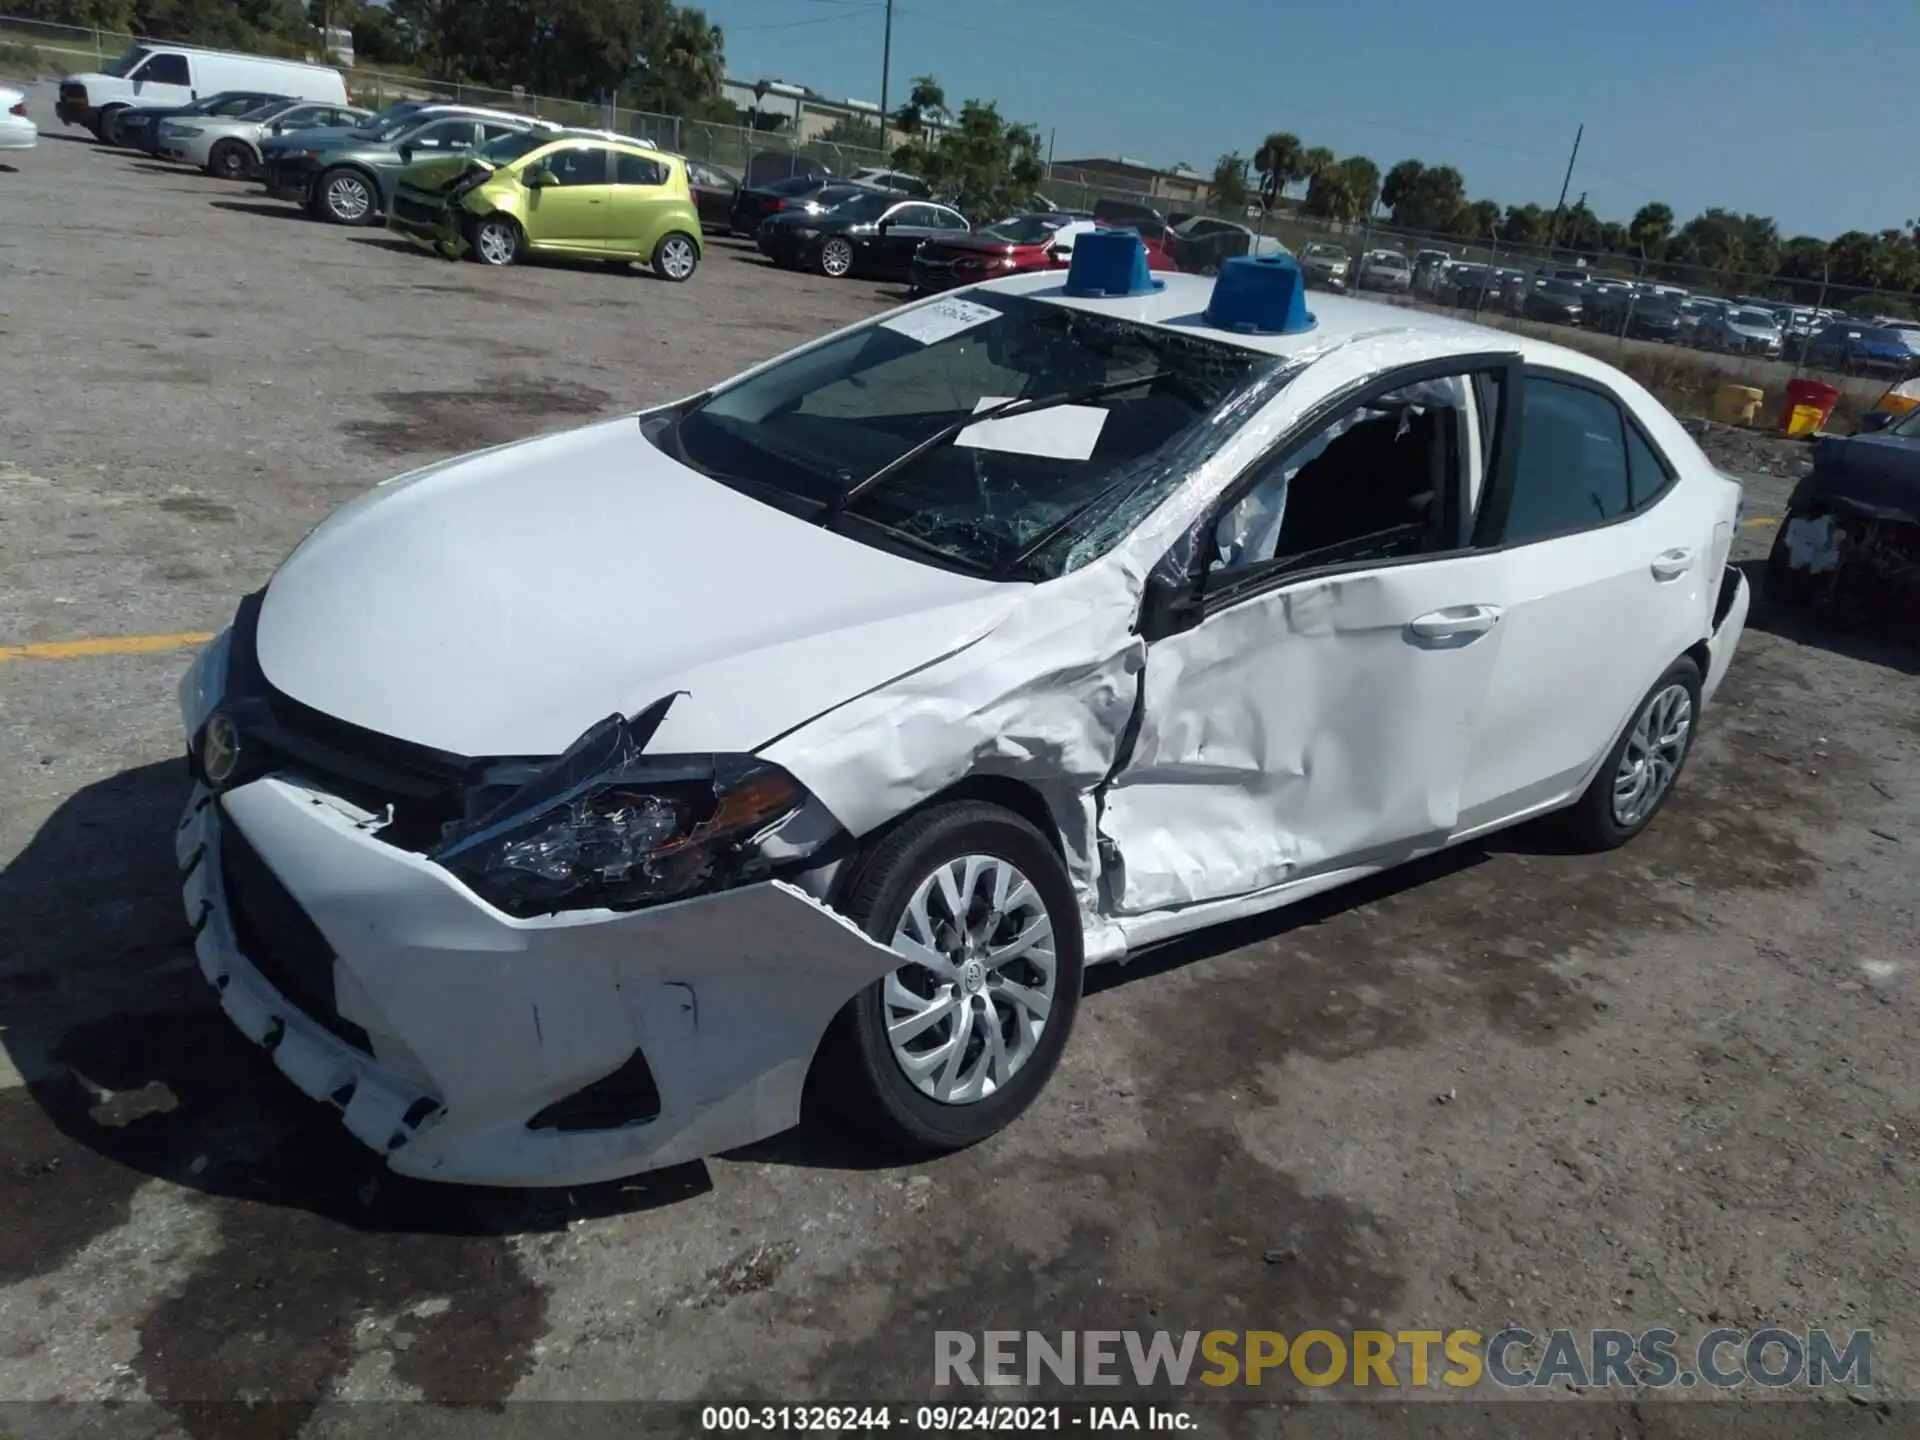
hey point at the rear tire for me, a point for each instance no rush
(675, 257)
(1644, 764)
(976, 1013)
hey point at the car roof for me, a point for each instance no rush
(1180, 305)
(438, 109)
(610, 137)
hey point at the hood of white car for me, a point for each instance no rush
(501, 603)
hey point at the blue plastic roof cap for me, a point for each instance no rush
(1260, 295)
(1108, 264)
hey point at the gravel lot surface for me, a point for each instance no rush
(1674, 1086)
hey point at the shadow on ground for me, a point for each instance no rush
(1885, 638)
(287, 211)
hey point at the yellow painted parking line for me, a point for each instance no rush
(105, 645)
(1760, 522)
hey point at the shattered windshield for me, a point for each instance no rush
(1031, 496)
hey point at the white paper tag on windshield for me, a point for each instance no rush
(1060, 432)
(942, 318)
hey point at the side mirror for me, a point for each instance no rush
(1878, 420)
(882, 227)
(538, 178)
(406, 154)
(278, 128)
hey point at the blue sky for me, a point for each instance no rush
(1796, 110)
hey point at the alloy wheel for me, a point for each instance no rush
(836, 258)
(967, 1009)
(677, 257)
(1652, 758)
(497, 243)
(348, 198)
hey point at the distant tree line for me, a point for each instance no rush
(650, 54)
(1735, 250)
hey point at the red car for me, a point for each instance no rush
(1041, 241)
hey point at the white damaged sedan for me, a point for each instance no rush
(561, 811)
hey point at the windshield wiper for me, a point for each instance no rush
(947, 434)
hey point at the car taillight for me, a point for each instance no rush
(776, 205)
(20, 109)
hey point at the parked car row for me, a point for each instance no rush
(489, 185)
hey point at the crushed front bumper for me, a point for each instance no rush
(427, 220)
(444, 1031)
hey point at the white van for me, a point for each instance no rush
(155, 73)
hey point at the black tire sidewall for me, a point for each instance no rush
(1593, 824)
(895, 1109)
(220, 152)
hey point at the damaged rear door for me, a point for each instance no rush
(1317, 651)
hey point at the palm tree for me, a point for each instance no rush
(1277, 162)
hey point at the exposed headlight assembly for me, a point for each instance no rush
(606, 826)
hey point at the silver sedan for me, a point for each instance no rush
(230, 148)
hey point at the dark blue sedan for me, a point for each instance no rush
(1852, 528)
(1855, 348)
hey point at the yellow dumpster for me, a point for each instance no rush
(1736, 404)
(1804, 420)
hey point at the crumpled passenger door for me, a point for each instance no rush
(1314, 708)
(1303, 727)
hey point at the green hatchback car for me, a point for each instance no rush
(580, 192)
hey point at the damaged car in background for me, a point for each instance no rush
(1850, 538)
(1059, 616)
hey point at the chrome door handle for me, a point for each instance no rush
(1455, 621)
(1672, 564)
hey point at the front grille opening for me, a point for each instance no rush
(626, 1097)
(279, 939)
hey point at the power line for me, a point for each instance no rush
(850, 12)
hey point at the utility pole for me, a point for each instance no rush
(886, 70)
(1553, 231)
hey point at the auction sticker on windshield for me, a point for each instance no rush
(1059, 432)
(933, 323)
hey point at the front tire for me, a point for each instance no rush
(347, 197)
(109, 129)
(495, 240)
(955, 1043)
(836, 258)
(1644, 764)
(676, 257)
(230, 160)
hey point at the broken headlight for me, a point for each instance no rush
(608, 826)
